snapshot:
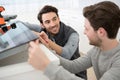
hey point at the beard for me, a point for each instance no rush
(96, 42)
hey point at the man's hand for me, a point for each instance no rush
(44, 39)
(49, 43)
(37, 57)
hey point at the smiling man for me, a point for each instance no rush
(59, 37)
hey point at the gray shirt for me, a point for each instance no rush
(106, 65)
(68, 50)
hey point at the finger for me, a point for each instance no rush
(42, 32)
(30, 52)
(37, 41)
(29, 60)
(42, 40)
(30, 56)
(32, 44)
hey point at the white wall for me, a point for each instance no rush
(70, 12)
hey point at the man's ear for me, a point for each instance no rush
(101, 31)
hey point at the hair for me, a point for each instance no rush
(105, 14)
(46, 9)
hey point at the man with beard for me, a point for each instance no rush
(102, 22)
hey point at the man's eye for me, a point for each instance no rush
(47, 22)
(55, 18)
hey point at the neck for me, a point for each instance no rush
(109, 44)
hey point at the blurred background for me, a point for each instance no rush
(70, 12)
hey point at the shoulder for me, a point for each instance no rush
(74, 34)
(93, 51)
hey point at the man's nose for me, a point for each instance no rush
(52, 23)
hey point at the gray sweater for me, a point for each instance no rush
(105, 64)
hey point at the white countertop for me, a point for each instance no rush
(15, 67)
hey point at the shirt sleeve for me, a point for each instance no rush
(67, 68)
(56, 72)
(71, 46)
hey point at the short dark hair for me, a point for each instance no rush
(104, 14)
(46, 9)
